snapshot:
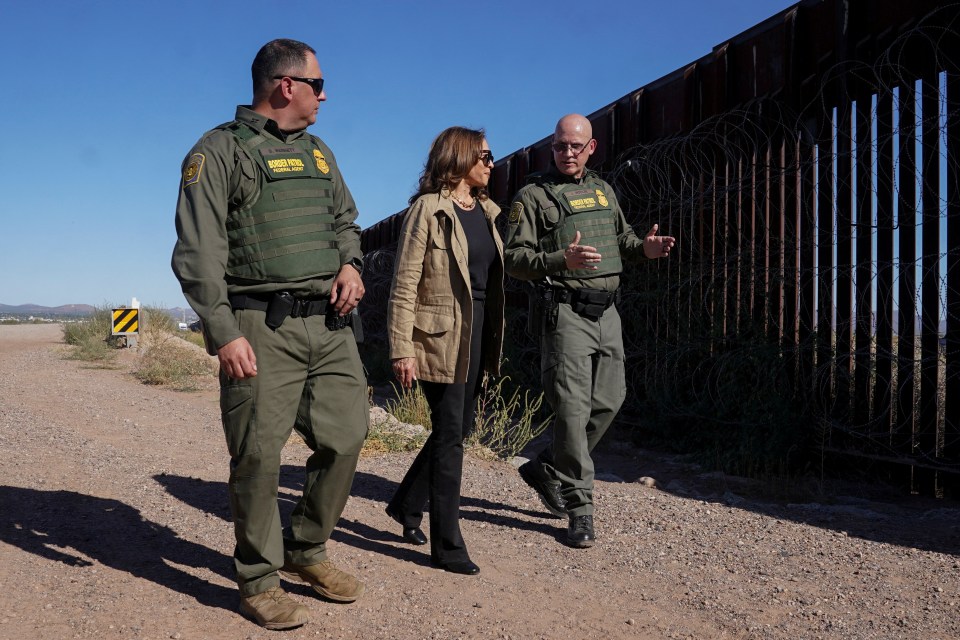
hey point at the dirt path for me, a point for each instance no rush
(115, 524)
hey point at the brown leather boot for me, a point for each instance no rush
(274, 609)
(326, 580)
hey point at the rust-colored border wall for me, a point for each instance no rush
(804, 187)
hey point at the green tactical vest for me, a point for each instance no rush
(287, 233)
(584, 208)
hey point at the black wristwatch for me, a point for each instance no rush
(357, 264)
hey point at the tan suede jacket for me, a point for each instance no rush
(430, 313)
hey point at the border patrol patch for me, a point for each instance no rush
(602, 199)
(191, 174)
(321, 162)
(516, 210)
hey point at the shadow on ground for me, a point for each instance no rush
(81, 530)
(913, 523)
(866, 510)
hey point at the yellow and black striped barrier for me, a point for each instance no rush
(126, 322)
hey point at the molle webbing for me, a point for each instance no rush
(596, 224)
(288, 233)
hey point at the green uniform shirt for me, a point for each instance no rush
(524, 257)
(218, 177)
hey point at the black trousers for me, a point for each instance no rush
(436, 472)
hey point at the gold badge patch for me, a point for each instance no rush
(602, 199)
(191, 174)
(321, 162)
(515, 212)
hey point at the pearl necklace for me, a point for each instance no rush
(463, 205)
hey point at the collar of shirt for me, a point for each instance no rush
(262, 123)
(555, 177)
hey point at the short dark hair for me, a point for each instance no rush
(276, 58)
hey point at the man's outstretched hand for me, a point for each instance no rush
(655, 246)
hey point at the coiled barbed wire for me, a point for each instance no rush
(725, 188)
(718, 350)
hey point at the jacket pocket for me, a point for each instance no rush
(433, 319)
(440, 254)
(551, 216)
(433, 340)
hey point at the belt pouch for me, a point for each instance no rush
(591, 304)
(334, 320)
(278, 309)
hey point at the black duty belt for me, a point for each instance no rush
(585, 302)
(282, 305)
(298, 307)
(585, 296)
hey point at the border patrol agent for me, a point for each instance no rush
(567, 234)
(268, 255)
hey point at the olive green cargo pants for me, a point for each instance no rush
(584, 382)
(311, 379)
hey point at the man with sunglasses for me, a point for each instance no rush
(567, 234)
(268, 255)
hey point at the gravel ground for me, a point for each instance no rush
(115, 524)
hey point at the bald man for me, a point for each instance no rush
(568, 236)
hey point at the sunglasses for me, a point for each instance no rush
(486, 157)
(562, 147)
(315, 83)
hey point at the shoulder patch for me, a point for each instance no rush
(516, 210)
(191, 174)
(322, 165)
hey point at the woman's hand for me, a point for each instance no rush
(405, 369)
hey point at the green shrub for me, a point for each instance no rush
(156, 320)
(167, 361)
(505, 425)
(505, 421)
(90, 338)
(410, 406)
(386, 437)
(193, 337)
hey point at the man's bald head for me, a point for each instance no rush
(573, 144)
(573, 123)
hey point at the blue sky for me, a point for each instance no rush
(105, 98)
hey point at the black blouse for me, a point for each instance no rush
(481, 250)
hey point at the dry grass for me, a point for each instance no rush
(166, 359)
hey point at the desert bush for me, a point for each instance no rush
(169, 362)
(410, 406)
(506, 422)
(387, 435)
(193, 337)
(90, 338)
(155, 320)
(166, 360)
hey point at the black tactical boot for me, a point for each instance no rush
(547, 491)
(580, 531)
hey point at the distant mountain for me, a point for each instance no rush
(179, 314)
(38, 310)
(182, 315)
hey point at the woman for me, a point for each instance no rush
(445, 322)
